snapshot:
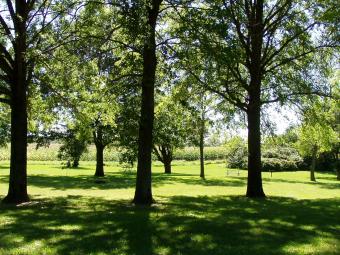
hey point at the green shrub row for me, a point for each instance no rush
(274, 158)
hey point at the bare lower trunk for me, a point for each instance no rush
(167, 167)
(99, 161)
(202, 175)
(17, 192)
(254, 186)
(337, 165)
(312, 169)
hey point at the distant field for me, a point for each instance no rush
(72, 214)
(50, 153)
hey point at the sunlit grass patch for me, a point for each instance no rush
(72, 214)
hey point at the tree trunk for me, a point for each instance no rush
(312, 169)
(254, 186)
(100, 160)
(17, 192)
(143, 193)
(337, 164)
(167, 166)
(98, 141)
(202, 175)
(75, 163)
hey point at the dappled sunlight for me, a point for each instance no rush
(181, 225)
(74, 214)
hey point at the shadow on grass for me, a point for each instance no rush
(319, 181)
(183, 225)
(120, 181)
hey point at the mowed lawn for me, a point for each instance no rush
(73, 213)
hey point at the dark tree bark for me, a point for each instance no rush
(167, 167)
(17, 192)
(312, 169)
(100, 161)
(337, 164)
(143, 192)
(98, 141)
(254, 185)
(164, 154)
(202, 130)
(75, 163)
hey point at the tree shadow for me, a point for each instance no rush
(319, 182)
(120, 180)
(183, 225)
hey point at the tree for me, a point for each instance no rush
(172, 125)
(20, 44)
(315, 138)
(319, 131)
(258, 52)
(81, 75)
(103, 135)
(74, 145)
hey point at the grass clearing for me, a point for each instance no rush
(72, 214)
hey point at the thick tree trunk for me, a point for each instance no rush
(17, 192)
(75, 163)
(254, 186)
(312, 169)
(202, 175)
(100, 160)
(143, 193)
(164, 155)
(167, 166)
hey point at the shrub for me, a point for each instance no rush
(281, 158)
(274, 158)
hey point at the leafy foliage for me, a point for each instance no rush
(74, 145)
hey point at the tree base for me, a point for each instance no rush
(255, 194)
(11, 199)
(143, 200)
(99, 175)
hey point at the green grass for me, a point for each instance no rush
(72, 214)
